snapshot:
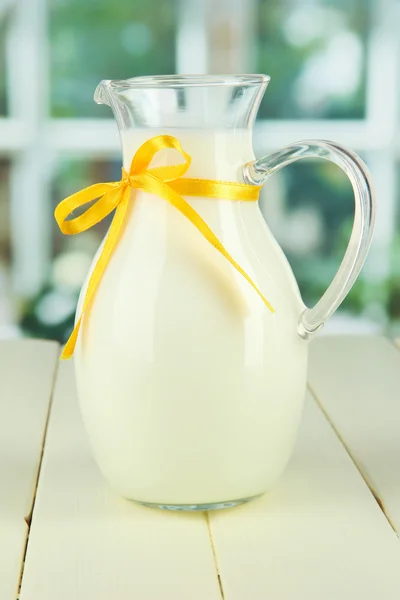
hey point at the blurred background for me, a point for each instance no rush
(335, 74)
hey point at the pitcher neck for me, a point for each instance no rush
(215, 153)
(194, 101)
(211, 115)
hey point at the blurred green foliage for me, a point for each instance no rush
(290, 35)
(34, 325)
(93, 40)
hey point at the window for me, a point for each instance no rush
(55, 139)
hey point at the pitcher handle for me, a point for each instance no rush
(256, 172)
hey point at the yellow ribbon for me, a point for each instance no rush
(166, 182)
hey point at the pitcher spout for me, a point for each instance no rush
(103, 92)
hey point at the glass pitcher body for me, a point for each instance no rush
(192, 390)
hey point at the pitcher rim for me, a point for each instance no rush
(160, 81)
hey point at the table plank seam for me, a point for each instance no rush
(353, 459)
(29, 517)
(215, 558)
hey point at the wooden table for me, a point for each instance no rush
(328, 531)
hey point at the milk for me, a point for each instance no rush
(191, 390)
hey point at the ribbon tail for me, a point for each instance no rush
(111, 240)
(186, 210)
(69, 347)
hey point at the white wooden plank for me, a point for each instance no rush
(26, 378)
(87, 543)
(357, 381)
(319, 534)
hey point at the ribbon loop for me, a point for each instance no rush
(166, 182)
(145, 154)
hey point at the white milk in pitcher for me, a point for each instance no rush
(191, 390)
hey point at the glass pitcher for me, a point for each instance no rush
(191, 388)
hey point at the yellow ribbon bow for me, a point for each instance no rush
(166, 182)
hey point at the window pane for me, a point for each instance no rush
(315, 53)
(98, 39)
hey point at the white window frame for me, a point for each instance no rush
(33, 141)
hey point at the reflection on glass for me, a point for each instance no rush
(315, 54)
(100, 39)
